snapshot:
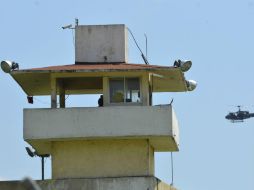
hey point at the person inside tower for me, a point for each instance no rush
(100, 101)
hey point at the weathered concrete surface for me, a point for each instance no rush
(101, 43)
(123, 183)
(102, 158)
(156, 123)
(11, 185)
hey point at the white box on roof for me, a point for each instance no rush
(101, 43)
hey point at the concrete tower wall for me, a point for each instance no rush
(102, 158)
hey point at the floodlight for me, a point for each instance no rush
(8, 66)
(42, 156)
(184, 65)
(191, 84)
(30, 152)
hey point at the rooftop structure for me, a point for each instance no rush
(101, 43)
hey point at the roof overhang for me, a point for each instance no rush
(38, 81)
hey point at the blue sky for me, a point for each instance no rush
(216, 35)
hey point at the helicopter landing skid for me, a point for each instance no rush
(236, 121)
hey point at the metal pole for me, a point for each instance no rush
(172, 169)
(42, 168)
(76, 21)
(146, 46)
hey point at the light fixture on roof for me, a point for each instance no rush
(191, 84)
(8, 66)
(183, 65)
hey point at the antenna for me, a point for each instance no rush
(172, 170)
(146, 46)
(142, 55)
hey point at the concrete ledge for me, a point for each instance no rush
(156, 123)
(122, 183)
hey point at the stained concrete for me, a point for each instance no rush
(122, 183)
(101, 43)
(102, 158)
(157, 123)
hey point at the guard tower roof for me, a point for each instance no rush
(36, 81)
(97, 67)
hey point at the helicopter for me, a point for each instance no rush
(239, 116)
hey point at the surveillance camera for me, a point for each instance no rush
(67, 26)
(8, 66)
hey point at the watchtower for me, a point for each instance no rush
(117, 139)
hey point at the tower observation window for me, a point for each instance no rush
(124, 90)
